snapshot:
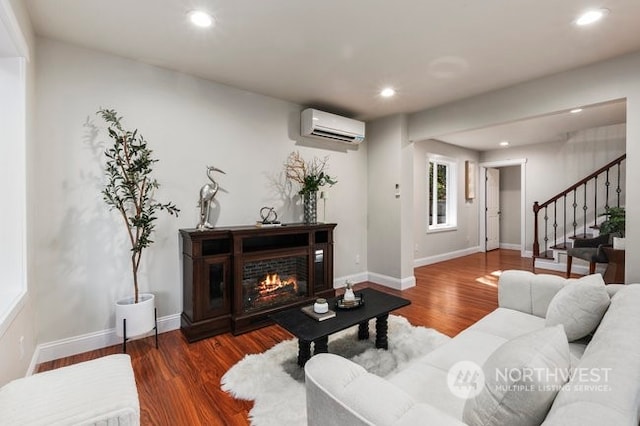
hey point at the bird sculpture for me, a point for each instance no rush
(207, 193)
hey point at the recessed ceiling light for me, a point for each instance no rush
(387, 92)
(504, 143)
(575, 110)
(591, 16)
(200, 18)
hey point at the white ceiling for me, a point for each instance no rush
(556, 127)
(337, 54)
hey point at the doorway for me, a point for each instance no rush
(499, 220)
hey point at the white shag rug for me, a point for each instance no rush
(275, 383)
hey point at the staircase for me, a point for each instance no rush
(575, 213)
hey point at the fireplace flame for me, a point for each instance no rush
(272, 283)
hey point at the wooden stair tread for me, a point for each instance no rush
(580, 236)
(562, 246)
(545, 255)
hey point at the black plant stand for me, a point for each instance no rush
(124, 330)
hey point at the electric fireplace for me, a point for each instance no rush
(234, 278)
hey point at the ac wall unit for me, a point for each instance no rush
(324, 125)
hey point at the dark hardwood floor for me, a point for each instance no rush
(179, 384)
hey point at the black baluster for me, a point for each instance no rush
(618, 189)
(555, 222)
(607, 184)
(584, 212)
(575, 206)
(564, 221)
(546, 230)
(595, 199)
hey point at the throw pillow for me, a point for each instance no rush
(521, 380)
(579, 306)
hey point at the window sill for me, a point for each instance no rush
(10, 306)
(442, 229)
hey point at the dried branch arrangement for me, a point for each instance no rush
(310, 175)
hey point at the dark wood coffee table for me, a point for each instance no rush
(308, 330)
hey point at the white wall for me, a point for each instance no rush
(553, 167)
(81, 249)
(510, 205)
(384, 144)
(407, 204)
(617, 78)
(465, 236)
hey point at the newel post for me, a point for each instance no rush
(536, 244)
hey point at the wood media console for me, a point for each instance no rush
(234, 278)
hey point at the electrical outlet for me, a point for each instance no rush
(357, 259)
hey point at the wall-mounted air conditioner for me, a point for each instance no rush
(323, 125)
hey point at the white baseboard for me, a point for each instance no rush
(445, 256)
(354, 278)
(88, 342)
(508, 246)
(527, 253)
(391, 282)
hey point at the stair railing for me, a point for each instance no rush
(576, 192)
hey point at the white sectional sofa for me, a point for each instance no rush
(340, 392)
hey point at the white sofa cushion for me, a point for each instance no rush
(579, 306)
(97, 392)
(508, 323)
(522, 378)
(425, 379)
(527, 292)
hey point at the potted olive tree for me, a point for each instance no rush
(129, 190)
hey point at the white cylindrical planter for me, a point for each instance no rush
(619, 243)
(140, 316)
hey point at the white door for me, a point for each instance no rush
(492, 213)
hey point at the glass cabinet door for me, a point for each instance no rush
(216, 287)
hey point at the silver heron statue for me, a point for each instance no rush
(207, 193)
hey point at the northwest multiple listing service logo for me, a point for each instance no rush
(465, 379)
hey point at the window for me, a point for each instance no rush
(13, 189)
(441, 180)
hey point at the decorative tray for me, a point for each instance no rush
(341, 304)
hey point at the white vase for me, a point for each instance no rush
(349, 295)
(140, 316)
(619, 243)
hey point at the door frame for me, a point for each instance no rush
(486, 210)
(482, 231)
